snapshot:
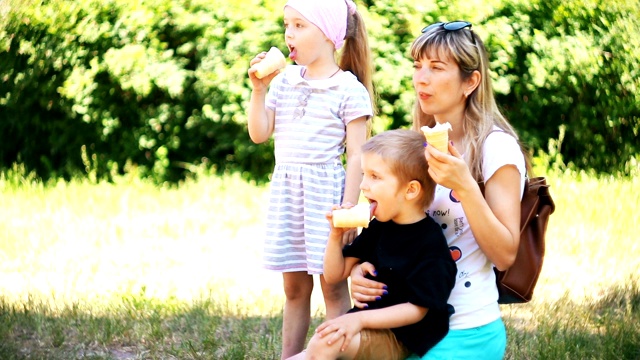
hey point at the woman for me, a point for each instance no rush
(452, 84)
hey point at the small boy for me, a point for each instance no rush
(410, 255)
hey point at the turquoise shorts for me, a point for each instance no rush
(487, 342)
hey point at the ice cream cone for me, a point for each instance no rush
(439, 140)
(438, 136)
(357, 216)
(274, 60)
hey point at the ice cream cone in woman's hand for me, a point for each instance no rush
(274, 60)
(438, 136)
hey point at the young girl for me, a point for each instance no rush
(314, 110)
(452, 83)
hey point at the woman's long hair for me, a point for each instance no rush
(466, 48)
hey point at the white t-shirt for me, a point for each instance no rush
(475, 295)
(311, 116)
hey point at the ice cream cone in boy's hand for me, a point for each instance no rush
(274, 60)
(438, 136)
(357, 216)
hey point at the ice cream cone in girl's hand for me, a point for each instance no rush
(274, 60)
(438, 136)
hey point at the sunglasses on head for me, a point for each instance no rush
(449, 26)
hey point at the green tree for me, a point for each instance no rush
(160, 87)
(573, 66)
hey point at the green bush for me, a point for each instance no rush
(159, 87)
(106, 87)
(574, 66)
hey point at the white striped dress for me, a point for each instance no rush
(308, 178)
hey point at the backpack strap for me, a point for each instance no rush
(535, 189)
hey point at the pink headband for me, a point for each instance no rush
(328, 15)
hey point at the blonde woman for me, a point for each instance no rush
(452, 84)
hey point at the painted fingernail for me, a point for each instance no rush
(366, 306)
(375, 273)
(385, 287)
(451, 143)
(424, 144)
(378, 298)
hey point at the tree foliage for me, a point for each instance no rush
(574, 68)
(159, 87)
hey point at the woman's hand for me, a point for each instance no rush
(364, 290)
(450, 171)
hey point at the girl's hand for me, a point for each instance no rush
(450, 171)
(260, 84)
(348, 236)
(364, 290)
(342, 328)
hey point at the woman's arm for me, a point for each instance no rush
(494, 218)
(497, 231)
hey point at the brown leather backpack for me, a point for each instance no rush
(516, 284)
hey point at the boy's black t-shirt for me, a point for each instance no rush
(415, 263)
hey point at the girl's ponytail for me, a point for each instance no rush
(356, 54)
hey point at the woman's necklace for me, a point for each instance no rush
(304, 72)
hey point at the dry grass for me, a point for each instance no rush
(135, 271)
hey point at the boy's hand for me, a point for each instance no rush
(342, 328)
(349, 234)
(336, 233)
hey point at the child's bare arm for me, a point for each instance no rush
(393, 316)
(352, 323)
(260, 121)
(336, 266)
(356, 137)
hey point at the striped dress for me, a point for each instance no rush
(309, 136)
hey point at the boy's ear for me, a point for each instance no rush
(413, 190)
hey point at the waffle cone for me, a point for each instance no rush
(438, 139)
(357, 216)
(274, 60)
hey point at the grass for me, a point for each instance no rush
(135, 271)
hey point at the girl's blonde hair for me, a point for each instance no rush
(481, 113)
(356, 55)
